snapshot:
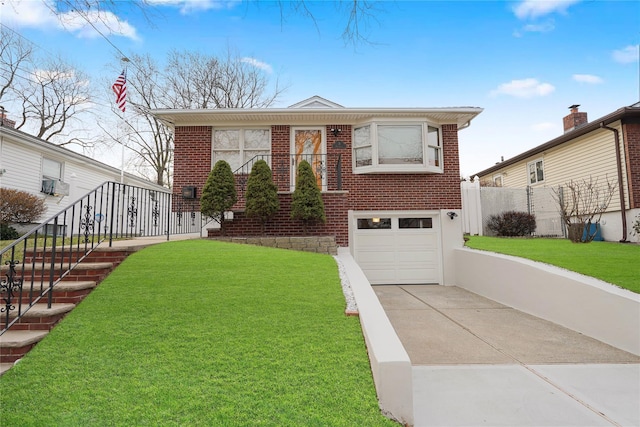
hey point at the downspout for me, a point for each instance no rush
(623, 205)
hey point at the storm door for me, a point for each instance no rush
(309, 144)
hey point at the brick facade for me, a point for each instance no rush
(379, 191)
(631, 135)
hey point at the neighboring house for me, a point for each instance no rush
(58, 175)
(604, 149)
(389, 177)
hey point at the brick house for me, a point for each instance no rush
(389, 177)
(607, 148)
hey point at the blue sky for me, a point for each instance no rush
(524, 62)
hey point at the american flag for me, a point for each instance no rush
(120, 89)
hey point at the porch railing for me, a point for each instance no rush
(32, 265)
(328, 170)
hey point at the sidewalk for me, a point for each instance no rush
(478, 362)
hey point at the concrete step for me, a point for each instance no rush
(4, 367)
(40, 317)
(66, 291)
(15, 344)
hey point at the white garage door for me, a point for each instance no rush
(398, 249)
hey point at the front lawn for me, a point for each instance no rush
(617, 263)
(202, 333)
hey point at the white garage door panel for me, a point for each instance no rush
(399, 256)
(417, 276)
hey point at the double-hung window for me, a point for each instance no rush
(397, 147)
(238, 146)
(536, 171)
(51, 175)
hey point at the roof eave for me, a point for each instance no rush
(619, 114)
(463, 115)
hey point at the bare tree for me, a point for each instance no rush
(51, 99)
(582, 203)
(195, 80)
(102, 15)
(143, 133)
(189, 80)
(15, 53)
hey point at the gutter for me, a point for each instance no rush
(623, 205)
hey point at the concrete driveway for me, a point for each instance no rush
(478, 362)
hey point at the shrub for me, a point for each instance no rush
(8, 233)
(636, 226)
(20, 207)
(512, 223)
(262, 194)
(306, 201)
(218, 193)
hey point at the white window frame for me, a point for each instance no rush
(241, 144)
(57, 179)
(377, 167)
(498, 180)
(534, 164)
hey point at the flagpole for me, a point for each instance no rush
(125, 60)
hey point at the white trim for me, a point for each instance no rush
(533, 162)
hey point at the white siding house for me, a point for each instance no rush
(58, 175)
(606, 150)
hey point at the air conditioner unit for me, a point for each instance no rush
(54, 187)
(62, 188)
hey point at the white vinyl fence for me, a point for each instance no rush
(480, 203)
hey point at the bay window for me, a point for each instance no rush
(397, 147)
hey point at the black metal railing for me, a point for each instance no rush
(327, 168)
(32, 265)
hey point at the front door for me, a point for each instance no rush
(309, 144)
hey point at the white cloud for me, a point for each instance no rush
(626, 55)
(525, 88)
(544, 27)
(531, 9)
(192, 6)
(258, 64)
(41, 15)
(587, 78)
(543, 127)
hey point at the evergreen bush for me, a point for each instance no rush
(306, 201)
(7, 232)
(219, 193)
(262, 194)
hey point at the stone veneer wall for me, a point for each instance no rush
(319, 244)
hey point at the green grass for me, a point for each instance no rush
(616, 263)
(202, 333)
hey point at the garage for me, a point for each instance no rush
(398, 248)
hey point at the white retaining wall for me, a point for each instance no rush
(389, 360)
(584, 304)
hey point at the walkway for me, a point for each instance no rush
(478, 362)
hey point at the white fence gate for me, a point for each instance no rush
(480, 203)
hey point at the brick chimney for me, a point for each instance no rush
(5, 121)
(575, 119)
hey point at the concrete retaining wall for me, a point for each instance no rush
(584, 304)
(389, 360)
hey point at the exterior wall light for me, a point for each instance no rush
(452, 215)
